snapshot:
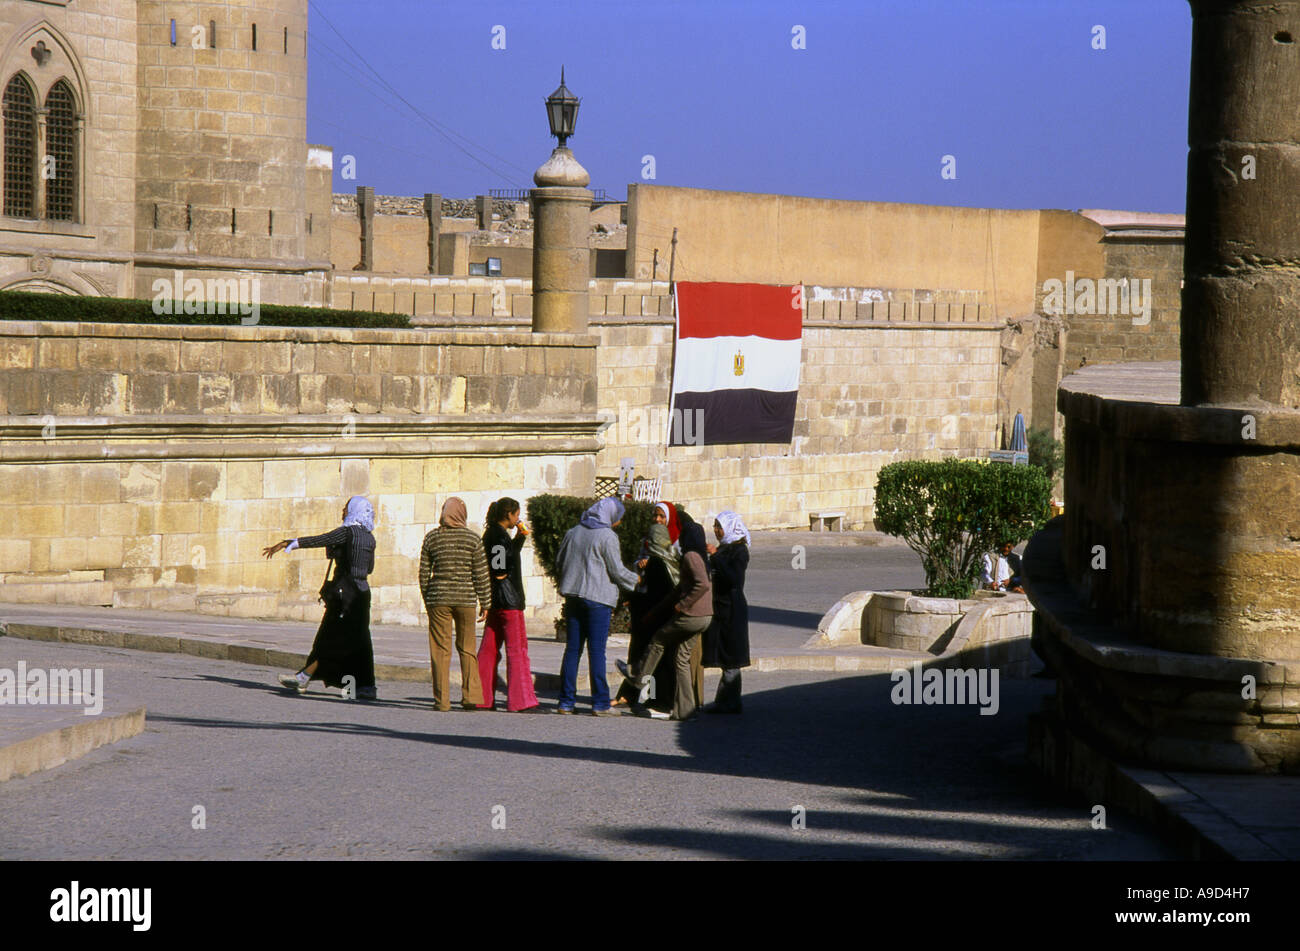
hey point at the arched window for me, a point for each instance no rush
(20, 149)
(61, 153)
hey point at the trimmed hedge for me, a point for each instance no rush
(551, 516)
(952, 513)
(26, 305)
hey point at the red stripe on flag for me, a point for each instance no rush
(725, 310)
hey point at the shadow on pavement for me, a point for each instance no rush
(914, 781)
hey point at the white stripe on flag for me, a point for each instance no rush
(705, 364)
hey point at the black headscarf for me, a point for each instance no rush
(691, 537)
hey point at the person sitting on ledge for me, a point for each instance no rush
(998, 572)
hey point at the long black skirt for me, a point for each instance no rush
(343, 647)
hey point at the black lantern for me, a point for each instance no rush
(562, 111)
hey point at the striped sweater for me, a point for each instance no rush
(453, 568)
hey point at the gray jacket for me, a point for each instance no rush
(588, 566)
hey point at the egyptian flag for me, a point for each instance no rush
(736, 370)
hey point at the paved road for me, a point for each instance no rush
(787, 602)
(281, 776)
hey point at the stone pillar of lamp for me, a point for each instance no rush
(561, 225)
(1168, 595)
(366, 217)
(433, 218)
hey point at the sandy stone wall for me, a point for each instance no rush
(148, 466)
(868, 395)
(872, 390)
(786, 239)
(1118, 338)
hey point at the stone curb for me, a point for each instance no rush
(822, 660)
(58, 746)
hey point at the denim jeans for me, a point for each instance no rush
(588, 622)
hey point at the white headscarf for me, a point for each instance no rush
(360, 513)
(733, 528)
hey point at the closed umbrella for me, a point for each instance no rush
(1018, 441)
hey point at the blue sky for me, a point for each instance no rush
(714, 90)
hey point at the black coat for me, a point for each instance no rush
(726, 642)
(499, 547)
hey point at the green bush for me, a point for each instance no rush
(1046, 451)
(551, 516)
(952, 513)
(24, 305)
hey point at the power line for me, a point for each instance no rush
(445, 132)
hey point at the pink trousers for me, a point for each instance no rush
(507, 627)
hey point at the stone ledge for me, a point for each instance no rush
(1140, 401)
(1151, 795)
(1158, 707)
(95, 439)
(56, 744)
(262, 334)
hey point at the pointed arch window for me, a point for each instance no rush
(19, 108)
(60, 153)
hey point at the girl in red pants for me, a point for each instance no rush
(505, 620)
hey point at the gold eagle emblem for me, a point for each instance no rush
(738, 364)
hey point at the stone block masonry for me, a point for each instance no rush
(871, 391)
(148, 466)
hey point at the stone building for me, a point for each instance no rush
(144, 137)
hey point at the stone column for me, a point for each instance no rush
(39, 192)
(433, 214)
(561, 249)
(366, 213)
(1241, 296)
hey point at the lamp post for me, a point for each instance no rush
(562, 215)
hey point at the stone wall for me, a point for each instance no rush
(1133, 247)
(787, 239)
(148, 466)
(869, 394)
(872, 390)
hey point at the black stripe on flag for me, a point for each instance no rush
(732, 416)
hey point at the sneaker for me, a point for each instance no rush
(367, 693)
(659, 715)
(291, 682)
(568, 711)
(607, 712)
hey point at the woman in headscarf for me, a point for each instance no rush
(692, 609)
(453, 576)
(660, 569)
(589, 572)
(726, 643)
(342, 647)
(666, 514)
